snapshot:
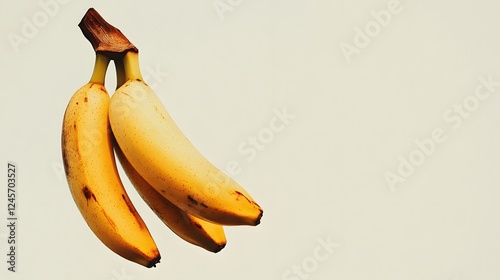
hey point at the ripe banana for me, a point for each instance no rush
(92, 176)
(199, 232)
(166, 159)
(196, 231)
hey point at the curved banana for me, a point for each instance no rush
(165, 158)
(196, 231)
(92, 175)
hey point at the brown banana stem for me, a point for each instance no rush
(104, 37)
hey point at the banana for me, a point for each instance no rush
(196, 231)
(168, 161)
(188, 227)
(92, 175)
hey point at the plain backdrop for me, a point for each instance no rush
(371, 90)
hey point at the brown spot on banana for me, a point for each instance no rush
(195, 203)
(132, 210)
(239, 195)
(197, 225)
(64, 155)
(110, 221)
(88, 194)
(65, 163)
(85, 99)
(192, 200)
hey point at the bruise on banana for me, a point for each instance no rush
(88, 194)
(101, 88)
(132, 210)
(197, 225)
(65, 156)
(110, 221)
(195, 202)
(66, 164)
(239, 195)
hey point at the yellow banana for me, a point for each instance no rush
(92, 175)
(196, 231)
(166, 159)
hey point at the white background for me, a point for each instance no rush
(323, 177)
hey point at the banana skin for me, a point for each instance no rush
(92, 175)
(196, 231)
(168, 161)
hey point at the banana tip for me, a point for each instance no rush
(257, 222)
(153, 262)
(219, 248)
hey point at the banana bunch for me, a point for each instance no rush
(190, 195)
